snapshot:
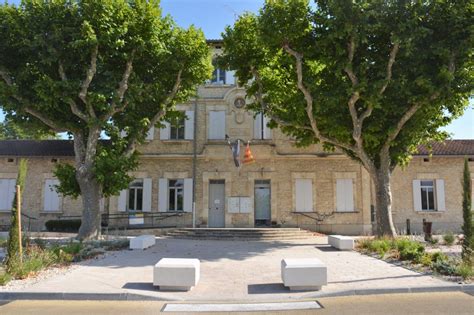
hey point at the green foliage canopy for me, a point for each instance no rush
(93, 68)
(376, 77)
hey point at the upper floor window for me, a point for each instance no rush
(177, 128)
(260, 129)
(218, 76)
(181, 128)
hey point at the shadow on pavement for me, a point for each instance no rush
(144, 286)
(266, 288)
(327, 248)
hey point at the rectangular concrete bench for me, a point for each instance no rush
(303, 273)
(142, 241)
(341, 242)
(177, 274)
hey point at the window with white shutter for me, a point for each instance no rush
(7, 193)
(216, 125)
(428, 195)
(150, 134)
(344, 195)
(52, 200)
(189, 125)
(304, 195)
(260, 129)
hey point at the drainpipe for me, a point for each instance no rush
(195, 157)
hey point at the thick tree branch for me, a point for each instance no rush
(309, 111)
(120, 92)
(45, 120)
(6, 77)
(265, 107)
(72, 104)
(87, 81)
(132, 141)
(391, 61)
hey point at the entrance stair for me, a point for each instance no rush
(249, 234)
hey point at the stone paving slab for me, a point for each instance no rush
(233, 270)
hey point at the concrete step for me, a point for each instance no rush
(240, 233)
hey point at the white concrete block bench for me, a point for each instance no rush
(341, 242)
(303, 273)
(177, 274)
(142, 242)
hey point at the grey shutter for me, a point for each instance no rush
(440, 198)
(165, 131)
(349, 192)
(51, 196)
(189, 125)
(188, 195)
(340, 195)
(150, 134)
(122, 201)
(267, 132)
(216, 125)
(147, 186)
(230, 77)
(257, 127)
(163, 195)
(416, 195)
(304, 195)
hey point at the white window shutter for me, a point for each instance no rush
(122, 201)
(349, 191)
(217, 125)
(51, 196)
(165, 131)
(267, 132)
(257, 127)
(417, 195)
(189, 125)
(147, 186)
(440, 198)
(230, 77)
(188, 195)
(340, 195)
(163, 195)
(304, 195)
(150, 135)
(7, 193)
(11, 193)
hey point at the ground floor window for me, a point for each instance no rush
(427, 190)
(176, 195)
(135, 196)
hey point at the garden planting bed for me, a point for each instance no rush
(432, 258)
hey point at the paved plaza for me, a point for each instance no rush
(230, 270)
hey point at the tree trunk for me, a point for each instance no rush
(91, 193)
(383, 202)
(85, 149)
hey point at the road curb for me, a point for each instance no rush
(468, 288)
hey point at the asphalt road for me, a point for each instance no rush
(420, 303)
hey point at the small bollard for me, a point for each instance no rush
(408, 227)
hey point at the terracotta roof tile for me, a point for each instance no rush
(448, 147)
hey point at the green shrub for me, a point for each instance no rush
(465, 271)
(444, 267)
(63, 225)
(449, 238)
(426, 259)
(409, 250)
(433, 241)
(35, 260)
(380, 246)
(4, 278)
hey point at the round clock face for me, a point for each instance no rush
(239, 102)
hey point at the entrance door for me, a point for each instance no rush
(262, 203)
(216, 203)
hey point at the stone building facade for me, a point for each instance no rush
(189, 165)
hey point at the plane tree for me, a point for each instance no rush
(97, 70)
(373, 79)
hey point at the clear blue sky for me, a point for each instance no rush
(213, 15)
